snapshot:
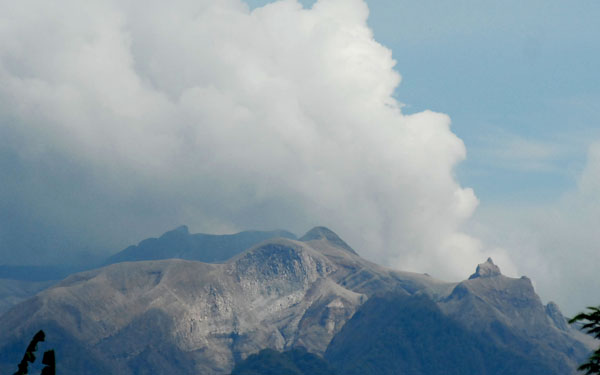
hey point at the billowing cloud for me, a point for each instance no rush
(120, 120)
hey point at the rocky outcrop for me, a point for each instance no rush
(554, 313)
(279, 294)
(508, 312)
(487, 269)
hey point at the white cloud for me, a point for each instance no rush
(557, 243)
(120, 120)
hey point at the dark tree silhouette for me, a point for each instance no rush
(591, 325)
(48, 360)
(29, 357)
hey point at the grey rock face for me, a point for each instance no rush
(169, 316)
(509, 312)
(278, 295)
(557, 317)
(487, 269)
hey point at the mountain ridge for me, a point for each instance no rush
(131, 317)
(209, 248)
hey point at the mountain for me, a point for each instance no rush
(509, 313)
(208, 248)
(187, 316)
(14, 291)
(395, 334)
(175, 315)
(19, 282)
(293, 362)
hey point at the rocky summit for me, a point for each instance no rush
(487, 269)
(181, 316)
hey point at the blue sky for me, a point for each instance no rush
(517, 70)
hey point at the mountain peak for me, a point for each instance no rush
(485, 270)
(318, 233)
(182, 229)
(323, 233)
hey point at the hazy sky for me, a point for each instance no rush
(428, 134)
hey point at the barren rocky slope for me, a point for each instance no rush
(170, 316)
(18, 283)
(508, 312)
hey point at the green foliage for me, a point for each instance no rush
(29, 357)
(293, 362)
(591, 325)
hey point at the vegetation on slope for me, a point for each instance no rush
(591, 325)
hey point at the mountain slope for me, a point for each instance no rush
(206, 316)
(508, 312)
(398, 334)
(18, 283)
(294, 362)
(168, 316)
(15, 291)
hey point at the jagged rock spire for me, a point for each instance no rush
(487, 269)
